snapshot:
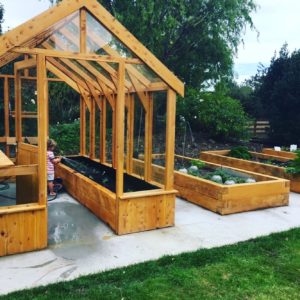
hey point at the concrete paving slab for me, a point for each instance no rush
(80, 244)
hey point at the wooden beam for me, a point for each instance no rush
(73, 39)
(120, 117)
(6, 112)
(110, 51)
(37, 25)
(130, 134)
(42, 95)
(25, 64)
(148, 138)
(103, 131)
(75, 55)
(63, 76)
(115, 27)
(82, 127)
(18, 106)
(26, 71)
(82, 25)
(19, 170)
(31, 78)
(170, 139)
(92, 128)
(69, 74)
(107, 93)
(141, 94)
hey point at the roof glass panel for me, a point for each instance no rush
(102, 42)
(65, 35)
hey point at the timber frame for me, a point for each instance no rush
(63, 42)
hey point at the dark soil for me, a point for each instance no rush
(283, 164)
(105, 175)
(192, 145)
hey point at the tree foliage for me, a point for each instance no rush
(195, 39)
(279, 93)
(1, 17)
(215, 114)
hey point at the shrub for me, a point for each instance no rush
(241, 152)
(67, 137)
(215, 114)
(295, 165)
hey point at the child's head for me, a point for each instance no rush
(51, 144)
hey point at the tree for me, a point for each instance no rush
(1, 17)
(196, 39)
(279, 92)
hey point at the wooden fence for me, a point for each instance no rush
(259, 129)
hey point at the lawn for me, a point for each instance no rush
(263, 268)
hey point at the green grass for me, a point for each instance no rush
(264, 268)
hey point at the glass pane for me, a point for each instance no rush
(65, 35)
(102, 42)
(146, 72)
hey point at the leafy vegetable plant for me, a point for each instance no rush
(241, 152)
(294, 167)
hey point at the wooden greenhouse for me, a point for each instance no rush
(80, 44)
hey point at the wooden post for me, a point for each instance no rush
(114, 135)
(92, 128)
(170, 139)
(82, 126)
(130, 134)
(103, 130)
(42, 96)
(6, 112)
(18, 106)
(82, 102)
(120, 118)
(148, 137)
(83, 31)
(26, 71)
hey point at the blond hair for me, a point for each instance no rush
(51, 144)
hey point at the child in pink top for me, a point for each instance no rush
(51, 161)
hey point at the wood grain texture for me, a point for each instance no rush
(133, 212)
(266, 192)
(286, 154)
(220, 157)
(23, 231)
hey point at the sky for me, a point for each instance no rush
(277, 22)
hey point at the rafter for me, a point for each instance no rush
(68, 73)
(112, 72)
(74, 55)
(57, 72)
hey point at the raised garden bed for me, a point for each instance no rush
(143, 206)
(266, 192)
(286, 154)
(257, 164)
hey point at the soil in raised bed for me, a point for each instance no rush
(272, 162)
(104, 175)
(207, 172)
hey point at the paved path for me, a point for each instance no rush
(81, 244)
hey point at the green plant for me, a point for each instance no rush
(241, 152)
(67, 137)
(294, 167)
(214, 114)
(198, 163)
(269, 162)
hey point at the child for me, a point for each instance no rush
(51, 161)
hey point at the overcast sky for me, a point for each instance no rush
(277, 21)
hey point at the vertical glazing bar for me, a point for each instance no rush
(42, 103)
(170, 139)
(120, 119)
(6, 112)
